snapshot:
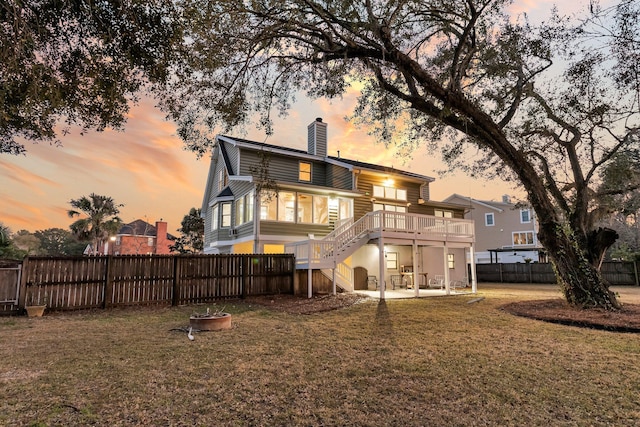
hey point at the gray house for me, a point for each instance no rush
(506, 232)
(356, 225)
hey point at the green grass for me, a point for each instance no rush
(429, 361)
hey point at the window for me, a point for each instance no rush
(443, 214)
(382, 192)
(269, 207)
(344, 209)
(523, 238)
(305, 208)
(222, 179)
(525, 216)
(304, 171)
(248, 202)
(286, 207)
(451, 261)
(226, 214)
(214, 218)
(392, 260)
(150, 241)
(240, 211)
(320, 209)
(489, 220)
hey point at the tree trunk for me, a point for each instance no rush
(579, 279)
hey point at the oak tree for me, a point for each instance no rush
(544, 105)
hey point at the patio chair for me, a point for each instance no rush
(436, 282)
(396, 280)
(459, 284)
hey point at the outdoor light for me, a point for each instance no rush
(388, 182)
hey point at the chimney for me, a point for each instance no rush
(317, 138)
(162, 243)
(506, 198)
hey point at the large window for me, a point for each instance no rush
(522, 238)
(383, 192)
(286, 206)
(525, 216)
(489, 220)
(244, 209)
(304, 171)
(297, 207)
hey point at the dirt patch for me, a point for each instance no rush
(559, 311)
(301, 305)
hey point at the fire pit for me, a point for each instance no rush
(210, 321)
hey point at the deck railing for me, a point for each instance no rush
(329, 250)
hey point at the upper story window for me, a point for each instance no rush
(525, 216)
(489, 220)
(214, 218)
(443, 214)
(244, 209)
(304, 171)
(295, 207)
(522, 238)
(149, 241)
(223, 179)
(221, 216)
(384, 192)
(225, 210)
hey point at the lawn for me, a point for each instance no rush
(438, 361)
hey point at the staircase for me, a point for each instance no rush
(330, 252)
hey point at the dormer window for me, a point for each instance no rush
(304, 171)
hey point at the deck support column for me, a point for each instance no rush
(309, 282)
(415, 278)
(381, 267)
(333, 280)
(474, 284)
(447, 285)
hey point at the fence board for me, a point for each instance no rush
(72, 283)
(616, 273)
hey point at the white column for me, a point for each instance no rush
(416, 279)
(333, 272)
(309, 282)
(382, 267)
(445, 252)
(474, 285)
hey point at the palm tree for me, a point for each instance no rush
(101, 219)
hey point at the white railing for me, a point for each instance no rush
(328, 250)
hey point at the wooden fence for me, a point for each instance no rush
(71, 283)
(616, 273)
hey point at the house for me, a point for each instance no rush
(338, 216)
(140, 237)
(505, 232)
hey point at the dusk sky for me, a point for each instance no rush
(146, 168)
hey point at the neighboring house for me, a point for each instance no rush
(505, 232)
(334, 214)
(140, 237)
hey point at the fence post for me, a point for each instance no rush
(22, 286)
(501, 281)
(108, 283)
(635, 271)
(292, 264)
(174, 287)
(244, 264)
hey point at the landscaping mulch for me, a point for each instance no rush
(559, 311)
(302, 305)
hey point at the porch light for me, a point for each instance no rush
(388, 182)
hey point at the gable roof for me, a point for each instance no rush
(340, 161)
(497, 206)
